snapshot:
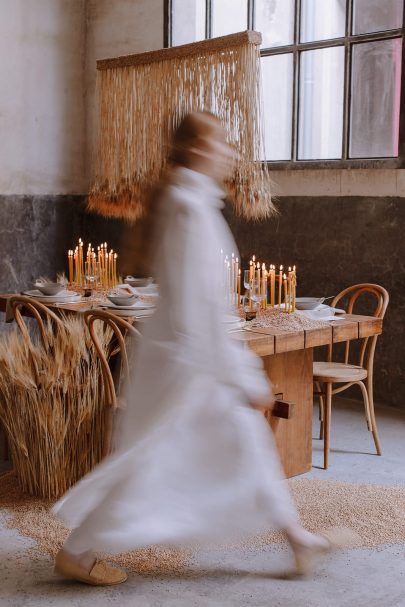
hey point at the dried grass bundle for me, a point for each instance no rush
(55, 425)
(142, 100)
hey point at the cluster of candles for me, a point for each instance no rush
(99, 268)
(231, 278)
(273, 287)
(267, 287)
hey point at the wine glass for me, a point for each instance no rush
(256, 292)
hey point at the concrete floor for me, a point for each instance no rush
(257, 578)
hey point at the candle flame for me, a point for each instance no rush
(281, 268)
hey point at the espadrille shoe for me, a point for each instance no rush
(101, 573)
(308, 557)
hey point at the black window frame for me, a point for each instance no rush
(296, 48)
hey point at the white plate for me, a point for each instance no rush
(332, 310)
(237, 325)
(231, 319)
(127, 313)
(138, 305)
(150, 290)
(62, 297)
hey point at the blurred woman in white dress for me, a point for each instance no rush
(195, 458)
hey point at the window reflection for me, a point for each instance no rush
(277, 81)
(377, 15)
(322, 19)
(188, 21)
(376, 92)
(229, 16)
(321, 103)
(275, 20)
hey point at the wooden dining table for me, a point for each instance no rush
(287, 358)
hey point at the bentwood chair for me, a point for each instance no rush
(343, 374)
(43, 316)
(121, 330)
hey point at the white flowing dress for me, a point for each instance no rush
(194, 461)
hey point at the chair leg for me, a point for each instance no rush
(327, 420)
(366, 405)
(372, 415)
(321, 411)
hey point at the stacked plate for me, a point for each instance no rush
(151, 290)
(62, 297)
(138, 309)
(233, 323)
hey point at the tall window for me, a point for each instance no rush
(331, 72)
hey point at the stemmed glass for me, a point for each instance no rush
(246, 284)
(91, 275)
(256, 292)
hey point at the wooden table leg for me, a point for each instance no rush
(291, 376)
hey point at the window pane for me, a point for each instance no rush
(229, 16)
(377, 15)
(188, 23)
(322, 19)
(376, 90)
(275, 20)
(277, 82)
(321, 103)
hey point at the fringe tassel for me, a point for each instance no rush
(141, 104)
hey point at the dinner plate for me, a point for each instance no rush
(332, 310)
(150, 290)
(231, 319)
(62, 297)
(138, 305)
(129, 313)
(236, 326)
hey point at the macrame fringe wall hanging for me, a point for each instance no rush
(143, 97)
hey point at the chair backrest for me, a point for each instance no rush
(121, 329)
(352, 295)
(36, 310)
(43, 316)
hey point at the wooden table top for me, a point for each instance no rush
(265, 341)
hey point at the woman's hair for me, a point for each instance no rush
(192, 130)
(141, 238)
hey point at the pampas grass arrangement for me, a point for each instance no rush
(55, 424)
(142, 99)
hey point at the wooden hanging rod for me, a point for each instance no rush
(185, 50)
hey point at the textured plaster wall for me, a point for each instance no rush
(42, 119)
(114, 28)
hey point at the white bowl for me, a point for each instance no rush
(138, 282)
(49, 288)
(122, 299)
(308, 303)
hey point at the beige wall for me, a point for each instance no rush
(48, 53)
(41, 96)
(342, 182)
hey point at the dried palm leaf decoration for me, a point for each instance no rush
(143, 97)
